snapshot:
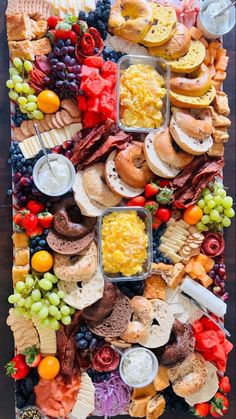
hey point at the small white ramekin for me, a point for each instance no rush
(203, 27)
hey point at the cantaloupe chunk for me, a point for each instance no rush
(193, 275)
(217, 84)
(222, 63)
(215, 45)
(205, 261)
(220, 75)
(207, 57)
(212, 70)
(198, 269)
(221, 53)
(212, 52)
(204, 42)
(188, 267)
(206, 281)
(195, 33)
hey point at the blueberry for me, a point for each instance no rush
(82, 344)
(9, 192)
(42, 242)
(93, 344)
(46, 231)
(82, 15)
(79, 336)
(37, 239)
(83, 328)
(88, 336)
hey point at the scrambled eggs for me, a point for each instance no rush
(124, 243)
(141, 94)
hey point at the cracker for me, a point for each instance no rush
(37, 9)
(25, 334)
(155, 287)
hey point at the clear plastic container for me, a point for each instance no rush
(162, 67)
(146, 268)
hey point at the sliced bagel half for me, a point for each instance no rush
(154, 162)
(86, 205)
(115, 183)
(189, 144)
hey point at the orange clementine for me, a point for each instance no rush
(42, 261)
(48, 101)
(49, 367)
(192, 214)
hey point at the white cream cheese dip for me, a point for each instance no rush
(56, 182)
(137, 366)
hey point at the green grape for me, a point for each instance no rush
(13, 95)
(17, 296)
(45, 284)
(28, 302)
(18, 87)
(32, 91)
(65, 310)
(229, 212)
(54, 324)
(200, 226)
(44, 322)
(36, 295)
(32, 98)
(43, 313)
(205, 219)
(66, 320)
(211, 204)
(31, 106)
(54, 299)
(21, 302)
(218, 185)
(58, 316)
(18, 63)
(28, 66)
(12, 299)
(227, 202)
(20, 286)
(219, 208)
(72, 310)
(26, 88)
(38, 114)
(9, 84)
(206, 210)
(208, 198)
(218, 200)
(36, 306)
(222, 193)
(53, 310)
(61, 294)
(13, 71)
(22, 109)
(17, 79)
(51, 277)
(226, 222)
(22, 100)
(201, 203)
(30, 115)
(206, 192)
(214, 215)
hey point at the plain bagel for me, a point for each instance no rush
(199, 126)
(86, 205)
(166, 150)
(96, 187)
(132, 167)
(156, 165)
(76, 268)
(130, 19)
(189, 144)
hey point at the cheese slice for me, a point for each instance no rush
(57, 136)
(74, 128)
(173, 240)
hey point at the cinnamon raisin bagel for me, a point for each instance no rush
(132, 167)
(199, 126)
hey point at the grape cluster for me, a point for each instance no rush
(18, 117)
(96, 376)
(39, 243)
(20, 90)
(158, 256)
(99, 17)
(86, 339)
(111, 55)
(41, 298)
(65, 149)
(217, 208)
(218, 274)
(131, 288)
(24, 389)
(65, 76)
(174, 402)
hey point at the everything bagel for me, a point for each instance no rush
(132, 167)
(64, 214)
(199, 127)
(164, 147)
(138, 328)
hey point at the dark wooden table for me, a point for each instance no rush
(6, 341)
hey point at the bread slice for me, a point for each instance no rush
(137, 407)
(189, 144)
(156, 165)
(155, 407)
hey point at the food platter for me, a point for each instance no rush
(118, 273)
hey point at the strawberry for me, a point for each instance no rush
(36, 232)
(32, 356)
(138, 201)
(35, 207)
(65, 34)
(45, 219)
(151, 206)
(201, 410)
(156, 223)
(163, 214)
(151, 189)
(219, 405)
(53, 21)
(225, 386)
(17, 219)
(17, 367)
(29, 221)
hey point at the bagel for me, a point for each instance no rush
(96, 188)
(199, 127)
(197, 85)
(208, 390)
(193, 102)
(114, 181)
(182, 343)
(166, 150)
(156, 165)
(189, 144)
(85, 295)
(189, 376)
(163, 26)
(132, 167)
(190, 61)
(130, 19)
(64, 212)
(86, 205)
(138, 328)
(177, 46)
(76, 268)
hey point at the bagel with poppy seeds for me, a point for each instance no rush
(177, 46)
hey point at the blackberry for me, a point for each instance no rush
(29, 383)
(96, 376)
(20, 401)
(31, 400)
(82, 15)
(100, 26)
(131, 288)
(90, 19)
(97, 14)
(105, 16)
(107, 2)
(99, 3)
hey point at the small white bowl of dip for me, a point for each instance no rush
(62, 179)
(224, 23)
(138, 367)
